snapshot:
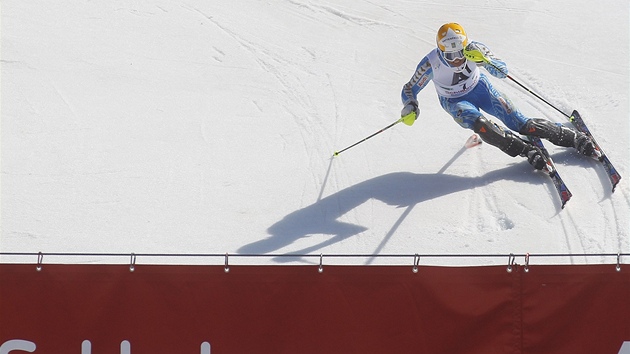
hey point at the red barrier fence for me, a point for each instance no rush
(296, 309)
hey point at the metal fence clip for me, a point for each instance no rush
(416, 262)
(132, 263)
(618, 267)
(511, 262)
(227, 265)
(321, 263)
(40, 259)
(526, 263)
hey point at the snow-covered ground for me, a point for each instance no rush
(194, 126)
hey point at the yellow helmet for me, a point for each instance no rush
(451, 37)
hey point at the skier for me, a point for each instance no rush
(464, 91)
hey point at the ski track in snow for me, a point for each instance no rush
(484, 209)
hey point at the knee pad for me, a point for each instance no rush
(494, 135)
(556, 134)
(489, 132)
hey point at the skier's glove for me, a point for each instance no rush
(480, 54)
(410, 112)
(474, 53)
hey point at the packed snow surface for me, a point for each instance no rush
(208, 127)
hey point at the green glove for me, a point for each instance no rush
(410, 113)
(472, 53)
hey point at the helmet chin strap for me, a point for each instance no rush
(459, 68)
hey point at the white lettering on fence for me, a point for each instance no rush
(86, 347)
(17, 344)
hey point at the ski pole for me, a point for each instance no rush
(477, 56)
(359, 142)
(534, 94)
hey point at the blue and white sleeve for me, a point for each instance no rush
(496, 67)
(420, 79)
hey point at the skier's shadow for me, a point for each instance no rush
(401, 189)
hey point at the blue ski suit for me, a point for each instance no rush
(464, 91)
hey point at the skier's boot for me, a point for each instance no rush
(584, 145)
(509, 143)
(536, 158)
(559, 135)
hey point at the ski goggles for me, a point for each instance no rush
(452, 56)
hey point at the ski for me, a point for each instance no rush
(552, 172)
(613, 175)
(473, 141)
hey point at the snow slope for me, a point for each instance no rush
(193, 126)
